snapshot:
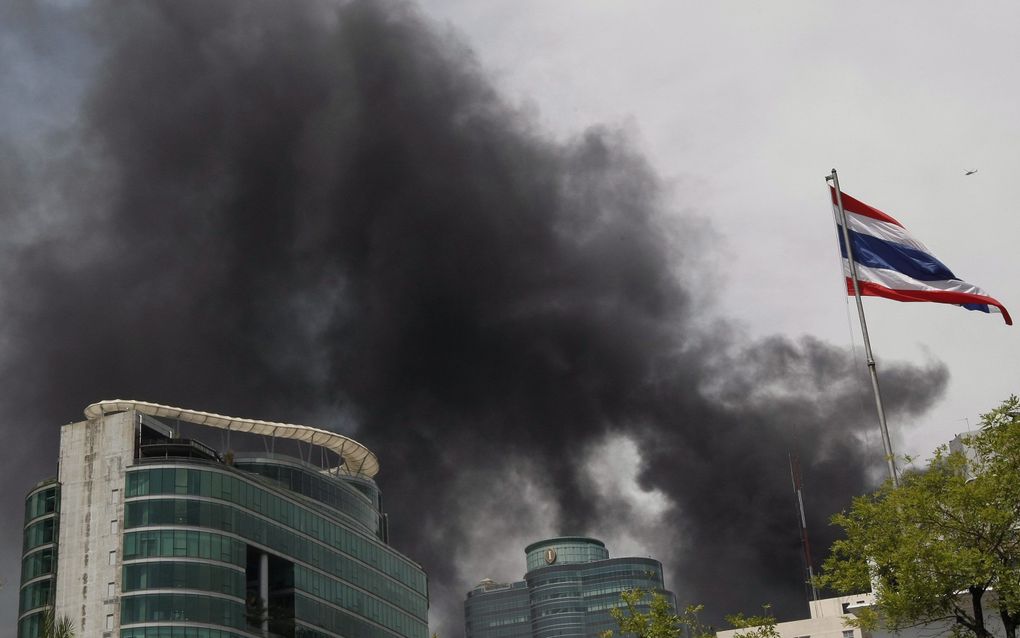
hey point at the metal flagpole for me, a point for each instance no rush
(864, 331)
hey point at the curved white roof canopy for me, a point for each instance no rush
(358, 459)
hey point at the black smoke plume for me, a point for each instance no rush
(322, 212)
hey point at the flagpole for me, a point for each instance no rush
(864, 330)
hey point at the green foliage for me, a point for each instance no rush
(761, 626)
(53, 627)
(932, 548)
(660, 621)
(693, 627)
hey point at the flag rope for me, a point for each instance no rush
(872, 368)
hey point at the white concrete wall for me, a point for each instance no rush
(827, 620)
(93, 456)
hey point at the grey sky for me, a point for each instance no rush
(742, 108)
(745, 107)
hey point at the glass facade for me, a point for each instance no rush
(564, 551)
(212, 533)
(211, 544)
(568, 592)
(39, 558)
(342, 496)
(498, 610)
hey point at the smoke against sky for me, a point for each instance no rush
(326, 214)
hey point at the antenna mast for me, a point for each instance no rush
(797, 484)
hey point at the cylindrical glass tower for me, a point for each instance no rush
(39, 557)
(569, 591)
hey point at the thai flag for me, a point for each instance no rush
(892, 264)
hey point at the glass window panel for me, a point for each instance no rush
(228, 518)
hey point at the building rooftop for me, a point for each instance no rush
(355, 458)
(563, 539)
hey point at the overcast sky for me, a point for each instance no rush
(746, 107)
(742, 109)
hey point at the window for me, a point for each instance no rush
(111, 590)
(37, 594)
(109, 621)
(113, 527)
(113, 557)
(848, 633)
(40, 533)
(174, 575)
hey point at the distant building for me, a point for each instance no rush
(570, 585)
(828, 619)
(959, 446)
(156, 528)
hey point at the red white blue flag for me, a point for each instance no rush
(892, 264)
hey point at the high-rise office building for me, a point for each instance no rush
(159, 525)
(570, 585)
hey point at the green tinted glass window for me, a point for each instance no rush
(182, 607)
(348, 597)
(181, 575)
(40, 533)
(36, 595)
(176, 631)
(31, 626)
(37, 564)
(189, 543)
(367, 548)
(41, 503)
(346, 623)
(283, 540)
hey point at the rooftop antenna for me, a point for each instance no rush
(797, 484)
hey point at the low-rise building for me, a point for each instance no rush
(828, 619)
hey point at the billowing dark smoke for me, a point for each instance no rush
(323, 213)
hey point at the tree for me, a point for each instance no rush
(660, 621)
(761, 626)
(933, 548)
(54, 627)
